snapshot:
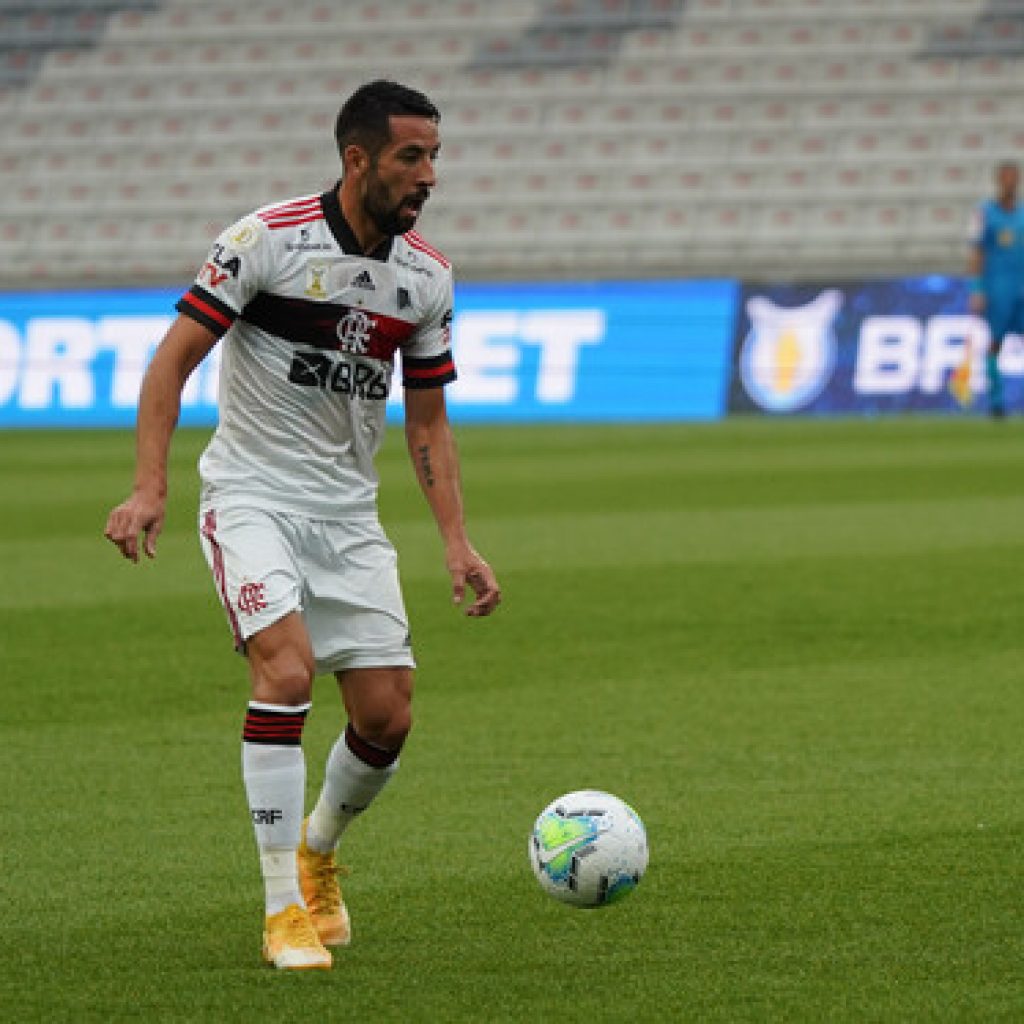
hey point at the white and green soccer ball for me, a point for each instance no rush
(588, 848)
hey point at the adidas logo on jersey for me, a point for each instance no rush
(363, 280)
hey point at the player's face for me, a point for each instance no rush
(1007, 182)
(399, 180)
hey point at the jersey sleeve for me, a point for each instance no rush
(427, 358)
(231, 276)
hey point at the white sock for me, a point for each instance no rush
(351, 782)
(274, 771)
(280, 878)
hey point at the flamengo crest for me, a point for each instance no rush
(354, 331)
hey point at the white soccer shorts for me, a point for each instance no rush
(342, 577)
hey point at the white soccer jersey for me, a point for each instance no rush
(311, 326)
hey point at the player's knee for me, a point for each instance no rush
(285, 677)
(386, 724)
(399, 728)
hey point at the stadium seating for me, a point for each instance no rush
(605, 137)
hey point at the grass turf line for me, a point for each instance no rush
(794, 647)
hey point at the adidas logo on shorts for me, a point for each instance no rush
(363, 280)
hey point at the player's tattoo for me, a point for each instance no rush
(428, 470)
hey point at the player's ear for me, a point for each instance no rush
(354, 159)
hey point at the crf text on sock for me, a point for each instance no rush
(266, 815)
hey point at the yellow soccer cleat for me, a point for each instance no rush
(318, 880)
(290, 941)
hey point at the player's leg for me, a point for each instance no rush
(361, 763)
(1015, 325)
(256, 581)
(360, 631)
(273, 765)
(999, 314)
(281, 667)
(996, 405)
(378, 702)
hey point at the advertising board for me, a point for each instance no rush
(553, 352)
(864, 347)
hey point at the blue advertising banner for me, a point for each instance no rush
(637, 350)
(864, 347)
(569, 352)
(77, 358)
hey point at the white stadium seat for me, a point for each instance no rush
(737, 128)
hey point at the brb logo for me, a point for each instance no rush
(788, 357)
(902, 353)
(356, 379)
(354, 331)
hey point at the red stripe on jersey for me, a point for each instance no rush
(286, 211)
(290, 207)
(387, 335)
(418, 243)
(269, 218)
(294, 211)
(203, 307)
(433, 371)
(287, 222)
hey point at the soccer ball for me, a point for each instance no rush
(588, 848)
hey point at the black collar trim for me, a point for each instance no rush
(343, 233)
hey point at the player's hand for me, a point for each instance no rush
(141, 513)
(467, 567)
(977, 302)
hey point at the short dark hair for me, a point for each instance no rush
(363, 119)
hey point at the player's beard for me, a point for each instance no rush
(388, 217)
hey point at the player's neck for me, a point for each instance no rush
(1008, 203)
(367, 233)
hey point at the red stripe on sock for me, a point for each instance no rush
(369, 753)
(283, 727)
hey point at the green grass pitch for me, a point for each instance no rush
(795, 648)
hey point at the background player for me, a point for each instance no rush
(996, 266)
(313, 297)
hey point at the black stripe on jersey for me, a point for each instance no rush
(426, 362)
(304, 322)
(429, 372)
(206, 309)
(297, 320)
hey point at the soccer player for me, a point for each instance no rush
(313, 297)
(996, 266)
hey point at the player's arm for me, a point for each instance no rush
(434, 456)
(181, 351)
(975, 269)
(976, 261)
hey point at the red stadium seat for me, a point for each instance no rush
(15, 237)
(780, 223)
(941, 220)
